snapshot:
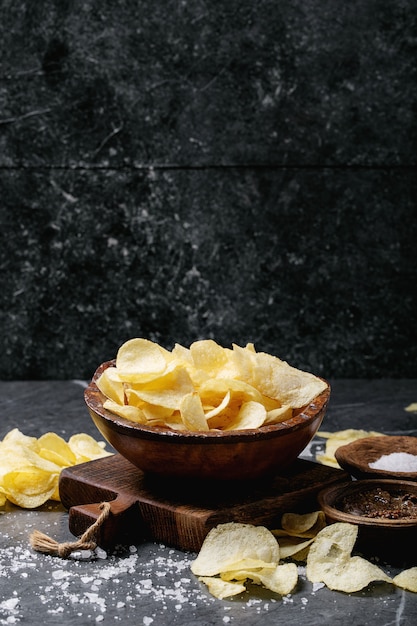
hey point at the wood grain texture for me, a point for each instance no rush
(180, 513)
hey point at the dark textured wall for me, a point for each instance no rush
(238, 170)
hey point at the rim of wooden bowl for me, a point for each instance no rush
(355, 457)
(327, 498)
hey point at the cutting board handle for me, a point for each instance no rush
(123, 524)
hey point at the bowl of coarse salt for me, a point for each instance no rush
(386, 456)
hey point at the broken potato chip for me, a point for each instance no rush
(329, 560)
(30, 467)
(204, 387)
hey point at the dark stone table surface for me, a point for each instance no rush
(152, 584)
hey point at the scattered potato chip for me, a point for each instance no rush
(294, 548)
(240, 552)
(329, 561)
(30, 467)
(238, 388)
(340, 438)
(411, 408)
(221, 588)
(297, 533)
(303, 525)
(407, 579)
(227, 544)
(86, 448)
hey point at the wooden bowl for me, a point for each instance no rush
(356, 456)
(215, 455)
(393, 540)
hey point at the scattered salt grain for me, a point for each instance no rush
(396, 462)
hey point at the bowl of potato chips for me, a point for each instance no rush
(205, 412)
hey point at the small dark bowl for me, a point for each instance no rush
(356, 456)
(393, 540)
(213, 455)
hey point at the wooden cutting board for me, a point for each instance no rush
(180, 513)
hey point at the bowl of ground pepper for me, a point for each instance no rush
(386, 456)
(385, 512)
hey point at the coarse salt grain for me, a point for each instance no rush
(396, 462)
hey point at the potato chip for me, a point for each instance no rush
(127, 411)
(331, 550)
(303, 525)
(30, 467)
(250, 415)
(111, 385)
(229, 543)
(329, 561)
(192, 412)
(228, 382)
(3, 497)
(54, 448)
(407, 579)
(281, 414)
(86, 448)
(281, 579)
(207, 355)
(221, 588)
(278, 379)
(240, 552)
(215, 410)
(168, 390)
(140, 360)
(294, 547)
(29, 487)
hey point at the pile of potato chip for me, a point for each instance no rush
(204, 386)
(30, 466)
(234, 553)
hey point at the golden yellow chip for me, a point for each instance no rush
(140, 360)
(111, 385)
(229, 543)
(228, 381)
(192, 412)
(54, 448)
(207, 355)
(168, 390)
(29, 487)
(281, 414)
(407, 579)
(250, 415)
(214, 411)
(281, 579)
(127, 411)
(86, 448)
(303, 525)
(277, 379)
(3, 497)
(30, 467)
(329, 561)
(294, 547)
(221, 588)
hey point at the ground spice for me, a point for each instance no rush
(379, 503)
